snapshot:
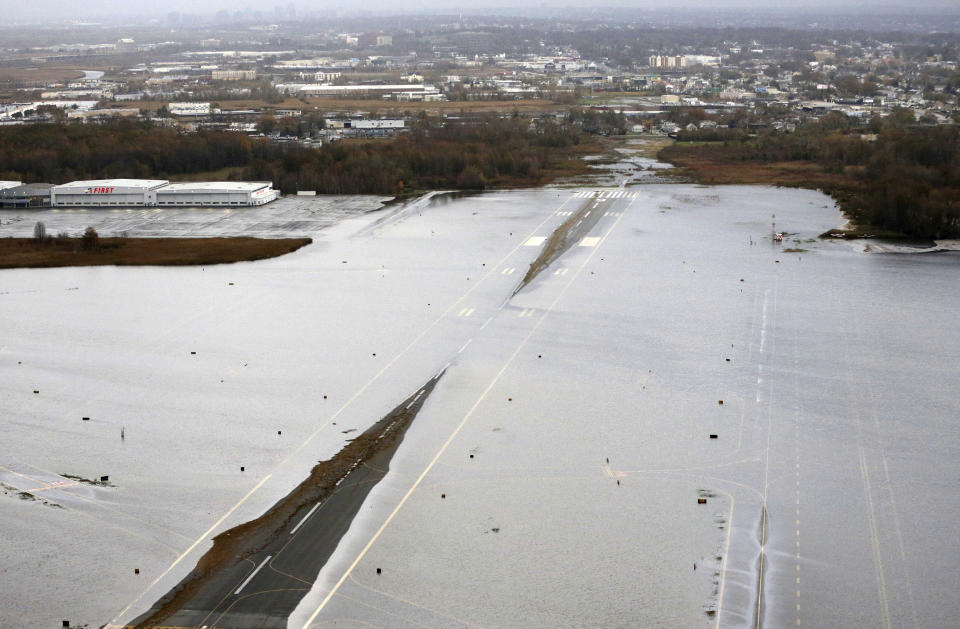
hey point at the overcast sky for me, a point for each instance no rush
(64, 9)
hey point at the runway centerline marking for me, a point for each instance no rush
(252, 574)
(304, 518)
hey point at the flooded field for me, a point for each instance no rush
(676, 423)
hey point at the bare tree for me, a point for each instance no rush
(40, 232)
(90, 239)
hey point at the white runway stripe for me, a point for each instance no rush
(252, 574)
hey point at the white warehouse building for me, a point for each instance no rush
(162, 193)
(106, 192)
(216, 193)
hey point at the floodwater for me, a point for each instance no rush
(289, 216)
(570, 434)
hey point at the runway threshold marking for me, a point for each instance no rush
(456, 431)
(590, 241)
(206, 534)
(252, 574)
(535, 241)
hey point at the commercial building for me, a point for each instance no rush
(189, 109)
(701, 60)
(339, 123)
(234, 75)
(27, 195)
(160, 193)
(397, 92)
(100, 114)
(106, 192)
(213, 193)
(357, 127)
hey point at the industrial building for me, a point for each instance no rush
(234, 75)
(408, 92)
(358, 127)
(160, 193)
(106, 192)
(9, 184)
(212, 193)
(27, 195)
(189, 109)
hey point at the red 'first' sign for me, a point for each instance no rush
(99, 191)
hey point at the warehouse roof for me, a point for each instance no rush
(216, 186)
(116, 183)
(8, 184)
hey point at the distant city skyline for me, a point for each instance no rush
(68, 9)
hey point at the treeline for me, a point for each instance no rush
(901, 177)
(606, 122)
(473, 154)
(58, 153)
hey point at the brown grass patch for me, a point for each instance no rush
(44, 75)
(27, 253)
(712, 169)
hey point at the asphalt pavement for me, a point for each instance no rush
(262, 586)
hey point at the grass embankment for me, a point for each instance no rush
(28, 253)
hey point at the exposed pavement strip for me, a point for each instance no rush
(256, 573)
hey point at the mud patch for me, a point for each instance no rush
(87, 481)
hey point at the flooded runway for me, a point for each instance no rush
(555, 475)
